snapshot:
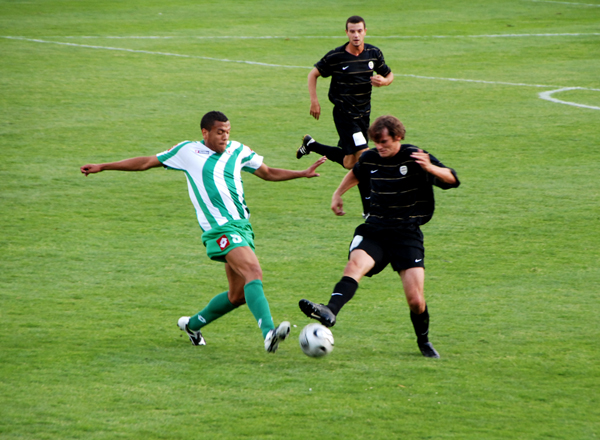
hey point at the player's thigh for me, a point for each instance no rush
(359, 264)
(353, 138)
(369, 246)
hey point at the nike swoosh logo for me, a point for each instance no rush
(419, 260)
(374, 171)
(344, 68)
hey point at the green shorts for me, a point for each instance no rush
(219, 241)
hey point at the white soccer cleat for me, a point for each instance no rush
(275, 336)
(195, 336)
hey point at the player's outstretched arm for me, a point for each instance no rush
(133, 164)
(280, 174)
(337, 204)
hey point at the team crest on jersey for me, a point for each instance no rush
(371, 65)
(223, 242)
(403, 170)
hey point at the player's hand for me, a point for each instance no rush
(422, 159)
(310, 172)
(337, 205)
(90, 169)
(378, 81)
(315, 110)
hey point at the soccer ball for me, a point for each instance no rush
(316, 340)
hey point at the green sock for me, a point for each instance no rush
(217, 307)
(259, 306)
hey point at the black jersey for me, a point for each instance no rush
(350, 88)
(401, 191)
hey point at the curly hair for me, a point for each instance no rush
(393, 125)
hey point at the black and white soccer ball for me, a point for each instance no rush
(316, 340)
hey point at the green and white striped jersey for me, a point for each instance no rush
(214, 180)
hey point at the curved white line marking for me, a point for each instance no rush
(566, 3)
(548, 97)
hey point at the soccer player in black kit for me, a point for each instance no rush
(351, 68)
(401, 179)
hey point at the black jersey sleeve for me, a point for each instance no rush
(357, 170)
(381, 68)
(324, 64)
(439, 183)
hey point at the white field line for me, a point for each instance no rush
(153, 53)
(544, 95)
(566, 3)
(340, 37)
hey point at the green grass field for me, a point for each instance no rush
(95, 272)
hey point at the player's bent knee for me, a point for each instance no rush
(416, 305)
(236, 297)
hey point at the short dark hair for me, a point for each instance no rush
(355, 19)
(209, 119)
(394, 127)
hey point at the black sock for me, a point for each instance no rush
(342, 293)
(333, 153)
(421, 324)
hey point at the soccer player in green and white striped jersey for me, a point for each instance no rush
(213, 169)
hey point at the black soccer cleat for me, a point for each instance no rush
(319, 312)
(428, 351)
(303, 150)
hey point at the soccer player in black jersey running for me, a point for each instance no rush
(401, 178)
(351, 68)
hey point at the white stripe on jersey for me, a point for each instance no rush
(219, 177)
(209, 186)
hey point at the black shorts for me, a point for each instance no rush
(402, 248)
(353, 132)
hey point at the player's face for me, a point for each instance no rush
(356, 34)
(388, 146)
(217, 138)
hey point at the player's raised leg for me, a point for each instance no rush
(359, 264)
(309, 145)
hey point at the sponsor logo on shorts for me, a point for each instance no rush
(223, 242)
(418, 260)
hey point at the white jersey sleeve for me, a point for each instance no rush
(178, 156)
